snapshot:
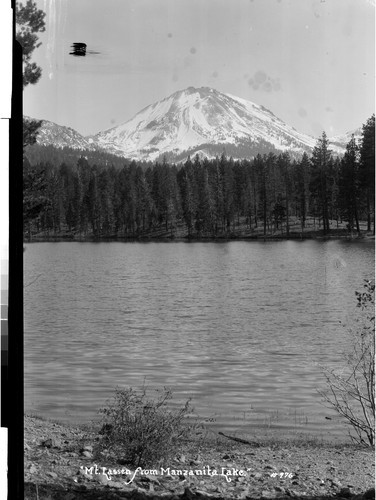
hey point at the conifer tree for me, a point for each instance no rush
(249, 192)
(35, 198)
(227, 168)
(349, 185)
(301, 179)
(367, 169)
(240, 185)
(321, 163)
(218, 194)
(205, 219)
(284, 164)
(186, 183)
(29, 22)
(83, 171)
(144, 202)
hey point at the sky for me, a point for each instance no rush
(310, 62)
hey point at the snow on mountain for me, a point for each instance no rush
(51, 133)
(202, 119)
(338, 143)
(194, 121)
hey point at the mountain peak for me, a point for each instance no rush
(199, 90)
(202, 119)
(189, 121)
(60, 136)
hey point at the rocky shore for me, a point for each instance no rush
(61, 463)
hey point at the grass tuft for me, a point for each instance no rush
(142, 430)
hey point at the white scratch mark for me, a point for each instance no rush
(56, 11)
(51, 15)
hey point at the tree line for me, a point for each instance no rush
(40, 153)
(203, 197)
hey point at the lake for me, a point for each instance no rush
(240, 327)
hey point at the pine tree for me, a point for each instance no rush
(240, 185)
(334, 204)
(35, 198)
(83, 171)
(66, 179)
(301, 172)
(174, 205)
(30, 132)
(131, 198)
(321, 163)
(284, 165)
(349, 185)
(249, 192)
(29, 22)
(105, 185)
(152, 212)
(187, 182)
(144, 202)
(119, 200)
(264, 170)
(367, 169)
(53, 214)
(205, 218)
(227, 169)
(218, 195)
(259, 188)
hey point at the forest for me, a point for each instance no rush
(268, 195)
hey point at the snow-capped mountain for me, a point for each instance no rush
(338, 143)
(194, 121)
(51, 133)
(202, 120)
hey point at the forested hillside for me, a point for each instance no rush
(38, 154)
(269, 195)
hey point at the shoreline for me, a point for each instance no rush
(61, 463)
(201, 239)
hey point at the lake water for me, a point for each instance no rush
(241, 327)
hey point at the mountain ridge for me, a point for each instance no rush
(192, 117)
(194, 120)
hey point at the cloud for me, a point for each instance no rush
(262, 81)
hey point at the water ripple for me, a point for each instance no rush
(233, 325)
